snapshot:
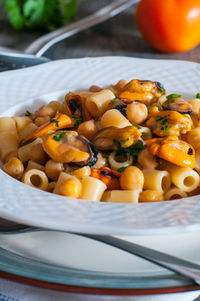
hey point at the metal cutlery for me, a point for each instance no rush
(33, 54)
(183, 267)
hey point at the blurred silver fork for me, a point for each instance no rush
(33, 54)
(183, 267)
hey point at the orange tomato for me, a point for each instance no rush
(169, 25)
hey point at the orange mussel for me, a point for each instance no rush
(173, 150)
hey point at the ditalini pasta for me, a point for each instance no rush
(125, 143)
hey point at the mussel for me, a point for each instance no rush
(69, 147)
(75, 106)
(107, 138)
(178, 105)
(145, 90)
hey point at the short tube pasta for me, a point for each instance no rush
(92, 189)
(197, 160)
(114, 118)
(34, 165)
(184, 178)
(36, 178)
(122, 196)
(195, 102)
(29, 129)
(24, 152)
(7, 124)
(175, 193)
(156, 180)
(146, 132)
(8, 144)
(117, 165)
(98, 102)
(21, 122)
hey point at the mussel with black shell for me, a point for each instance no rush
(69, 147)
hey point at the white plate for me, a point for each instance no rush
(24, 204)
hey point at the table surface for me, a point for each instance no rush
(117, 36)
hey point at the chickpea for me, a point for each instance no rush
(41, 120)
(51, 186)
(87, 129)
(132, 178)
(46, 111)
(136, 112)
(14, 167)
(120, 85)
(95, 89)
(54, 104)
(146, 159)
(193, 137)
(53, 169)
(71, 187)
(150, 196)
(38, 154)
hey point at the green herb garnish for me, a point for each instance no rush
(78, 121)
(27, 113)
(173, 96)
(59, 136)
(163, 122)
(171, 100)
(137, 126)
(122, 169)
(108, 163)
(163, 91)
(132, 150)
(115, 100)
(54, 121)
(198, 95)
(42, 14)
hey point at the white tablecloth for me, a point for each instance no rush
(11, 291)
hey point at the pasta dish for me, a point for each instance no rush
(129, 142)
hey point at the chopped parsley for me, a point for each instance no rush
(132, 150)
(171, 100)
(173, 96)
(27, 113)
(78, 121)
(59, 136)
(163, 91)
(54, 121)
(122, 169)
(137, 126)
(115, 100)
(163, 122)
(198, 95)
(108, 163)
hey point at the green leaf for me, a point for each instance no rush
(108, 163)
(15, 14)
(122, 169)
(59, 136)
(78, 121)
(27, 113)
(70, 9)
(54, 121)
(42, 13)
(173, 96)
(163, 91)
(198, 95)
(129, 151)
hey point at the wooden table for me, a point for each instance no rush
(118, 36)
